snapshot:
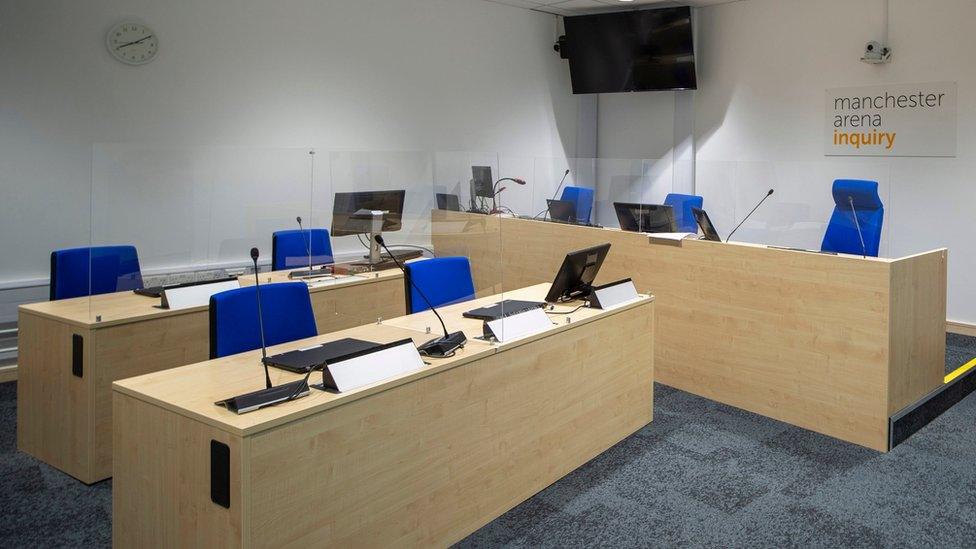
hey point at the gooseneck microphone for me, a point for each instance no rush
(561, 181)
(496, 191)
(770, 193)
(545, 213)
(439, 347)
(560, 186)
(308, 250)
(270, 395)
(512, 179)
(857, 225)
(257, 292)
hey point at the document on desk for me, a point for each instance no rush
(673, 236)
(331, 280)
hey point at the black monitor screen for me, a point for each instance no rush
(708, 229)
(643, 50)
(562, 210)
(345, 222)
(577, 273)
(448, 202)
(482, 181)
(645, 218)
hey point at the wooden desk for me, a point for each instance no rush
(423, 459)
(65, 419)
(834, 344)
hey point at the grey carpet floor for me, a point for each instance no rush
(702, 474)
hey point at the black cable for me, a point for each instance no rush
(379, 240)
(428, 250)
(566, 312)
(361, 241)
(305, 384)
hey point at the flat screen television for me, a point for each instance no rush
(644, 50)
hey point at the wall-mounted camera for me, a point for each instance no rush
(876, 54)
(560, 47)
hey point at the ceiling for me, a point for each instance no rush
(576, 7)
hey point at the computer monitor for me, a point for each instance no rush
(448, 202)
(482, 184)
(562, 210)
(645, 218)
(577, 273)
(706, 225)
(345, 221)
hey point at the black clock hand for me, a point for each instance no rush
(133, 42)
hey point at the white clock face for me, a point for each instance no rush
(132, 43)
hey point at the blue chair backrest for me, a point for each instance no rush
(234, 327)
(290, 249)
(112, 269)
(444, 280)
(583, 199)
(841, 235)
(682, 205)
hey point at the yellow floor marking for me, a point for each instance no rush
(960, 370)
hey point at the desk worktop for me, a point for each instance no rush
(192, 390)
(473, 328)
(122, 307)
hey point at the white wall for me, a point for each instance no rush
(763, 66)
(249, 78)
(635, 142)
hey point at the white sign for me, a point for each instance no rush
(614, 295)
(512, 327)
(370, 368)
(891, 120)
(196, 295)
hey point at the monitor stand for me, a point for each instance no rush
(375, 251)
(375, 258)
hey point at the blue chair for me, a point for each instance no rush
(841, 235)
(444, 280)
(234, 327)
(112, 269)
(290, 249)
(583, 199)
(682, 205)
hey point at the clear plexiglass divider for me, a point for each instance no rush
(165, 216)
(798, 212)
(194, 213)
(391, 212)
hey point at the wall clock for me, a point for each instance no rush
(132, 43)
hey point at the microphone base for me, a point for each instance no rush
(443, 346)
(249, 402)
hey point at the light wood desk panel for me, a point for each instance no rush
(835, 344)
(66, 421)
(419, 460)
(477, 237)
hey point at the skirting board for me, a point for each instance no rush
(911, 419)
(8, 373)
(961, 328)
